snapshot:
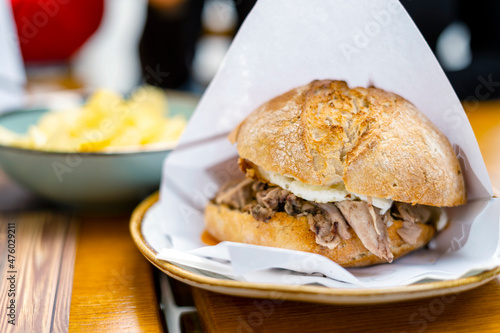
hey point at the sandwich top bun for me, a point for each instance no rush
(375, 142)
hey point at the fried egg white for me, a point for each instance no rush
(321, 194)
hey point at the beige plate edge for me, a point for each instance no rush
(314, 294)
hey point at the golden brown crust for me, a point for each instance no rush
(377, 142)
(289, 232)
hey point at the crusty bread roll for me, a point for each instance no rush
(374, 141)
(291, 232)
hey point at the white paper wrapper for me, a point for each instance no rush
(288, 43)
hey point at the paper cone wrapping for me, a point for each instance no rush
(284, 44)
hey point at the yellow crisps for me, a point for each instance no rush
(106, 122)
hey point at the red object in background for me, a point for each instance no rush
(52, 30)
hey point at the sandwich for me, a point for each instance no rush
(358, 175)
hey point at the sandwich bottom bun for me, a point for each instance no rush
(292, 232)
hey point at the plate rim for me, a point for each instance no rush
(317, 294)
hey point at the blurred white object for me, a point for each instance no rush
(219, 16)
(453, 47)
(55, 99)
(12, 75)
(210, 51)
(110, 59)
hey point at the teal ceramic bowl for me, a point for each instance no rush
(88, 179)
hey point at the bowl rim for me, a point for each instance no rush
(65, 153)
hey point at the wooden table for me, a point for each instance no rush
(74, 270)
(89, 276)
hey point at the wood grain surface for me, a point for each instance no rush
(477, 310)
(60, 322)
(473, 311)
(113, 288)
(45, 245)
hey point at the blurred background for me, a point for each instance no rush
(179, 44)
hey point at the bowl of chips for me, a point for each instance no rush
(110, 150)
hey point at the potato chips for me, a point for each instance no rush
(106, 122)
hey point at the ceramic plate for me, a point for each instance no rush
(317, 294)
(88, 179)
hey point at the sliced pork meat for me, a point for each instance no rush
(371, 230)
(328, 224)
(261, 213)
(236, 195)
(297, 206)
(272, 198)
(329, 221)
(388, 219)
(269, 198)
(333, 214)
(258, 186)
(410, 232)
(413, 213)
(325, 230)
